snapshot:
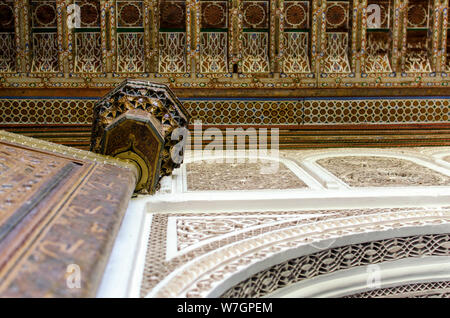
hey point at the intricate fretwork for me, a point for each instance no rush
(419, 39)
(331, 260)
(46, 111)
(88, 56)
(241, 112)
(131, 36)
(296, 53)
(214, 260)
(131, 55)
(213, 58)
(157, 268)
(192, 231)
(336, 54)
(7, 52)
(44, 36)
(255, 58)
(384, 40)
(377, 60)
(45, 52)
(8, 49)
(419, 290)
(172, 53)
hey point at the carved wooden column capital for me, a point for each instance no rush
(135, 122)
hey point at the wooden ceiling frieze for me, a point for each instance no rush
(200, 44)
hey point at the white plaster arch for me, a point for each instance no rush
(289, 243)
(401, 273)
(355, 280)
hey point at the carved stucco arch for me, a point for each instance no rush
(432, 272)
(212, 274)
(347, 280)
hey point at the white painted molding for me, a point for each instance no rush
(123, 273)
(298, 200)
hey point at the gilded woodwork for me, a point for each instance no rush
(280, 44)
(136, 122)
(136, 136)
(59, 206)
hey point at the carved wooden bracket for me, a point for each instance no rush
(136, 122)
